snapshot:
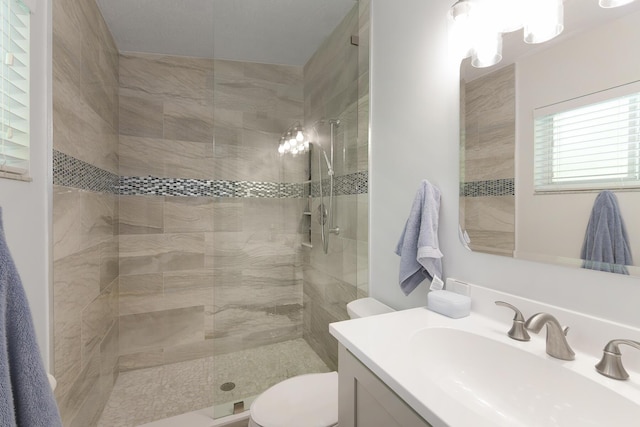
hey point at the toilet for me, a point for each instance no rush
(309, 400)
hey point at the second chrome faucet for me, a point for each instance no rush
(557, 345)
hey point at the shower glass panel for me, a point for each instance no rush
(275, 290)
(223, 288)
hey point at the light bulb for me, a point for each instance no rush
(544, 20)
(487, 50)
(306, 146)
(281, 149)
(299, 135)
(286, 146)
(461, 10)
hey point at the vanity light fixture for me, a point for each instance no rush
(294, 140)
(608, 4)
(461, 10)
(487, 50)
(478, 25)
(545, 20)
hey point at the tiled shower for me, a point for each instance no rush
(178, 226)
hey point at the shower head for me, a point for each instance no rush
(326, 159)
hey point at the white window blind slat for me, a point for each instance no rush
(15, 152)
(14, 87)
(15, 101)
(19, 141)
(589, 143)
(617, 122)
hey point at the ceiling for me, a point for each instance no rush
(267, 31)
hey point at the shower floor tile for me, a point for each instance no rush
(150, 394)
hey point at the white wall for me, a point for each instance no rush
(414, 135)
(26, 205)
(555, 223)
(413, 131)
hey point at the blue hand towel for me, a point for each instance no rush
(606, 243)
(26, 399)
(420, 256)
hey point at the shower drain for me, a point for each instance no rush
(227, 386)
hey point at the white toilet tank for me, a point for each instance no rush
(364, 307)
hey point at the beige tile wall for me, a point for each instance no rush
(85, 251)
(148, 280)
(487, 154)
(336, 86)
(200, 270)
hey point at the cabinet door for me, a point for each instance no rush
(365, 401)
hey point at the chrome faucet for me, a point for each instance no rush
(611, 363)
(517, 331)
(557, 345)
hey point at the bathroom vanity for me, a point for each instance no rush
(366, 401)
(419, 368)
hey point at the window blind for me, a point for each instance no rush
(589, 143)
(14, 87)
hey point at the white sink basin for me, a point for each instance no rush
(507, 386)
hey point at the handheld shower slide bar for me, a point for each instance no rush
(325, 216)
(296, 141)
(333, 123)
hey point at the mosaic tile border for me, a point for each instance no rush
(71, 172)
(354, 183)
(179, 187)
(496, 187)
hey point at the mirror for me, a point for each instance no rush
(500, 213)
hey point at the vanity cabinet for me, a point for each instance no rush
(365, 401)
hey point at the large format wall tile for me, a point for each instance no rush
(165, 158)
(188, 120)
(162, 293)
(141, 293)
(85, 223)
(153, 330)
(178, 253)
(81, 219)
(156, 253)
(140, 114)
(85, 292)
(171, 76)
(141, 215)
(188, 214)
(85, 84)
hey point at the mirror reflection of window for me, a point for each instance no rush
(585, 144)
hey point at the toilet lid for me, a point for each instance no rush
(306, 400)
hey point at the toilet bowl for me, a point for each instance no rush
(309, 400)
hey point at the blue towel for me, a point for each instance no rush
(26, 399)
(606, 244)
(420, 256)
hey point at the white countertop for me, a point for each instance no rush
(382, 343)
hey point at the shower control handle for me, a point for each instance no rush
(335, 230)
